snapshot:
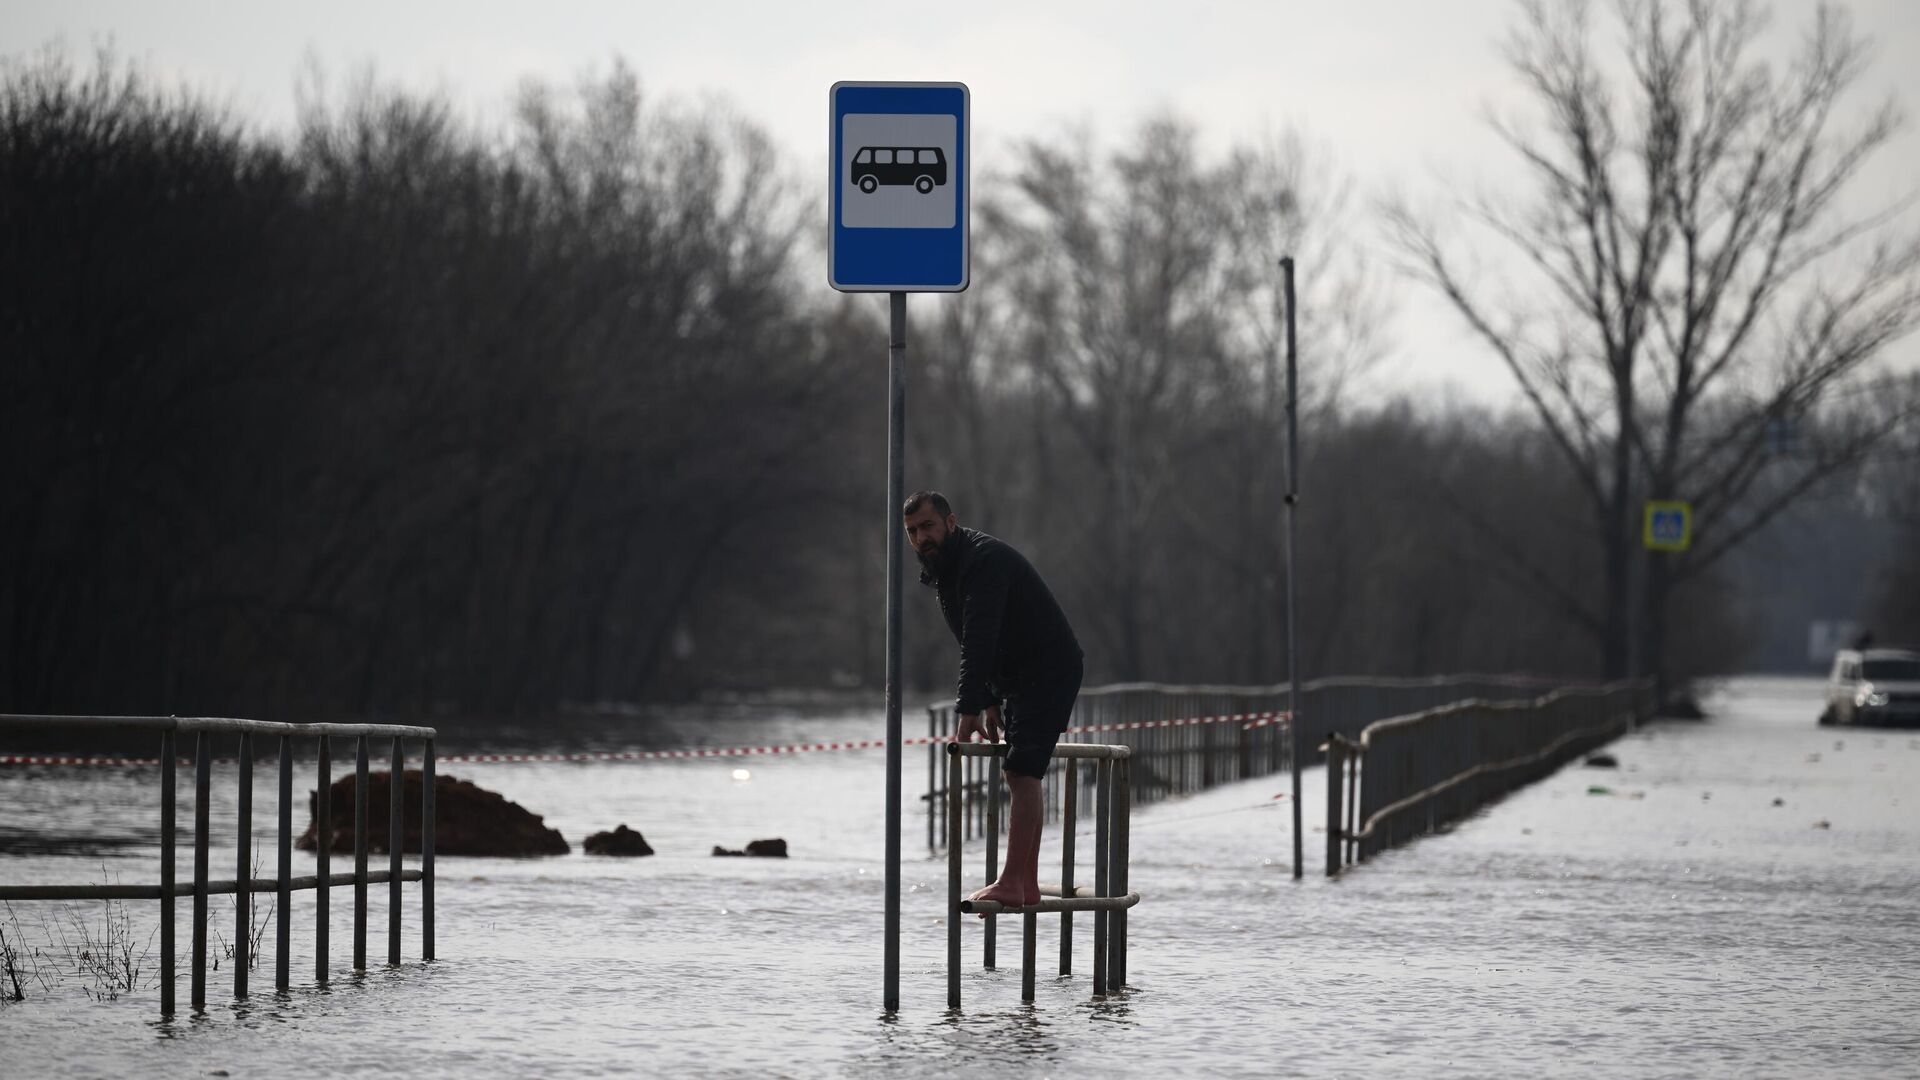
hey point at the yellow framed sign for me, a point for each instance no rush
(1669, 525)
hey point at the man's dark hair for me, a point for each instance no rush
(938, 500)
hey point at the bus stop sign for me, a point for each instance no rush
(897, 193)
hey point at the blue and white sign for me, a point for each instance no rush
(1669, 525)
(897, 192)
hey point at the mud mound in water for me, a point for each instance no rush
(468, 819)
(621, 841)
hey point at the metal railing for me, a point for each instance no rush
(1181, 739)
(1109, 899)
(283, 883)
(1190, 738)
(1406, 776)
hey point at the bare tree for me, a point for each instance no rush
(1143, 310)
(1693, 282)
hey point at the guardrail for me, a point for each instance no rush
(1406, 776)
(1109, 899)
(284, 883)
(1187, 738)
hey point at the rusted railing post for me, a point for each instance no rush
(243, 869)
(202, 768)
(168, 752)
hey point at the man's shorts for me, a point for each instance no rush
(1036, 717)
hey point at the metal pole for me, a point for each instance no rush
(896, 494)
(1069, 804)
(1102, 816)
(323, 859)
(243, 871)
(426, 852)
(933, 770)
(1336, 766)
(988, 939)
(396, 843)
(1122, 853)
(953, 877)
(946, 724)
(202, 780)
(283, 923)
(167, 781)
(360, 854)
(1353, 805)
(1029, 930)
(1292, 500)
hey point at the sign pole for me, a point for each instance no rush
(896, 494)
(897, 211)
(1292, 500)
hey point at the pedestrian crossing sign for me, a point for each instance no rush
(1669, 525)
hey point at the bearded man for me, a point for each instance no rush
(1020, 667)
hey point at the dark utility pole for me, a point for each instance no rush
(1292, 502)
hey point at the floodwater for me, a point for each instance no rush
(1741, 899)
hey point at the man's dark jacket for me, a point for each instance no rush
(1013, 635)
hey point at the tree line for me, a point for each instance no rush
(387, 414)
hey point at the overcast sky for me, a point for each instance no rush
(1393, 88)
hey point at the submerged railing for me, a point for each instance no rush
(283, 883)
(1181, 739)
(1406, 776)
(1185, 739)
(1109, 898)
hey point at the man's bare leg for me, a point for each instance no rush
(1019, 882)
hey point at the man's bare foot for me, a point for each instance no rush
(1009, 895)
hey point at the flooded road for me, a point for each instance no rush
(1740, 898)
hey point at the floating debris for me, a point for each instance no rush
(1602, 761)
(1599, 789)
(1778, 801)
(1823, 823)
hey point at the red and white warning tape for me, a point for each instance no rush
(1247, 720)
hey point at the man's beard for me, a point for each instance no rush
(929, 560)
(932, 561)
